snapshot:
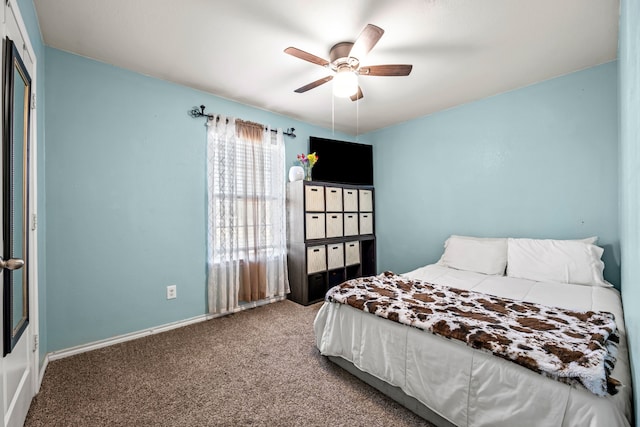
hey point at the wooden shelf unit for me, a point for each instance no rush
(331, 236)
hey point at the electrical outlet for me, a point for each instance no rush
(171, 292)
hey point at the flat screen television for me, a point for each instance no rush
(341, 161)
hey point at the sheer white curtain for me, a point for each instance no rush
(246, 214)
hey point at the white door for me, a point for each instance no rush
(19, 363)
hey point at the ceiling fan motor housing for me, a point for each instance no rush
(339, 57)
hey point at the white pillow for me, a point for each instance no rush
(482, 255)
(591, 240)
(560, 261)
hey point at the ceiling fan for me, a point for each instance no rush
(345, 63)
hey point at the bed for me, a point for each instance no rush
(450, 383)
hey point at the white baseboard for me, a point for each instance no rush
(254, 304)
(43, 368)
(72, 351)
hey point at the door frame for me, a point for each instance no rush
(34, 325)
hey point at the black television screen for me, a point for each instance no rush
(342, 162)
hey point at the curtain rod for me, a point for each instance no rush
(195, 113)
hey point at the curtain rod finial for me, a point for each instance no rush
(290, 132)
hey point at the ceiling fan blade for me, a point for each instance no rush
(313, 84)
(366, 41)
(306, 56)
(357, 95)
(385, 70)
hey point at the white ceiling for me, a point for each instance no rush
(461, 50)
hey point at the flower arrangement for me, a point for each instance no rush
(307, 161)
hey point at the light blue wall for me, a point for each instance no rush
(28, 12)
(125, 176)
(125, 185)
(629, 57)
(536, 162)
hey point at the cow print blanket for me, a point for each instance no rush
(569, 346)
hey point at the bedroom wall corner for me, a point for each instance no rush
(629, 90)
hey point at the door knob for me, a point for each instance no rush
(11, 264)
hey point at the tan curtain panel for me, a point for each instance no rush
(253, 280)
(249, 131)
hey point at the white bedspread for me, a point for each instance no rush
(469, 387)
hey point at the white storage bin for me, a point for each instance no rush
(314, 198)
(350, 224)
(334, 199)
(334, 225)
(315, 226)
(366, 223)
(350, 197)
(352, 253)
(316, 259)
(366, 201)
(335, 256)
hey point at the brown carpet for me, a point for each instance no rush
(259, 367)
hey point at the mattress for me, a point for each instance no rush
(470, 387)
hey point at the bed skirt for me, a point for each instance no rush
(395, 393)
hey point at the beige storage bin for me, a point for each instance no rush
(316, 259)
(314, 198)
(334, 199)
(352, 253)
(350, 197)
(366, 201)
(334, 225)
(335, 256)
(366, 223)
(350, 224)
(315, 226)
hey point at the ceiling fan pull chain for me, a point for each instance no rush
(357, 119)
(333, 116)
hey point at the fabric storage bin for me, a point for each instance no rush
(333, 199)
(316, 259)
(335, 256)
(334, 225)
(352, 253)
(315, 226)
(350, 224)
(366, 223)
(317, 286)
(313, 198)
(366, 200)
(350, 197)
(336, 277)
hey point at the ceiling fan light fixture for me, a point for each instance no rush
(344, 64)
(345, 83)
